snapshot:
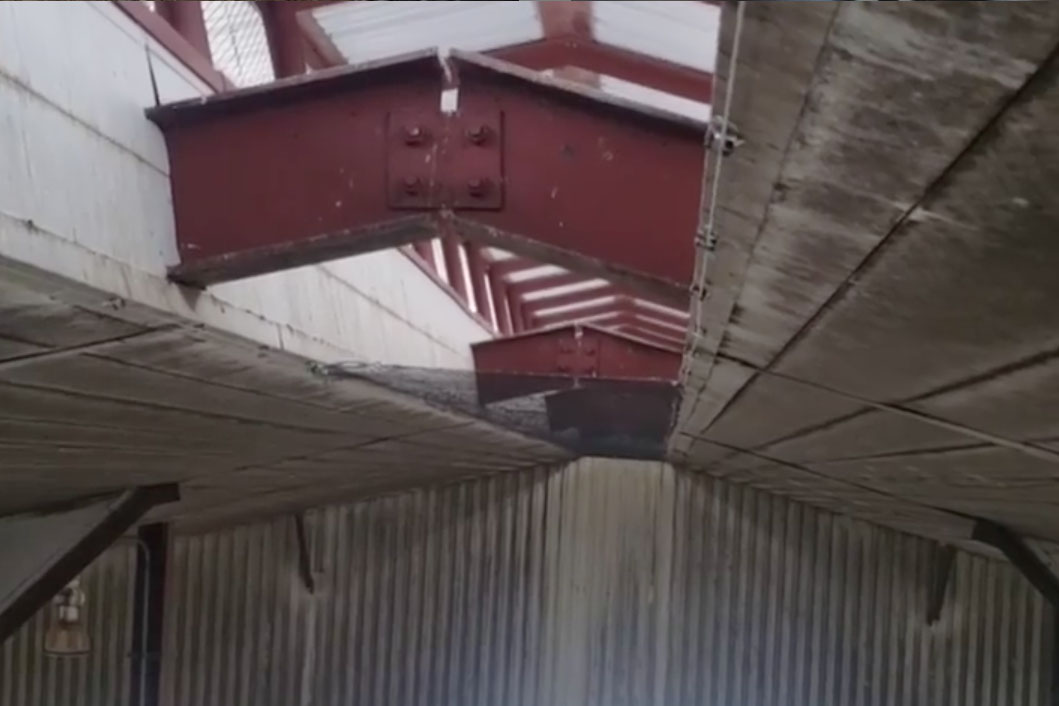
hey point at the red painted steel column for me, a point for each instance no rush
(518, 320)
(454, 266)
(500, 298)
(477, 271)
(425, 250)
(186, 18)
(285, 41)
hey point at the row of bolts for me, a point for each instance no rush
(415, 135)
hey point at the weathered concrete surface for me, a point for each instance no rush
(97, 396)
(889, 246)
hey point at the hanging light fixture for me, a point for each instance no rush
(66, 634)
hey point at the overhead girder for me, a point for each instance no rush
(352, 160)
(566, 357)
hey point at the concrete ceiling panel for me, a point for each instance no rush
(771, 408)
(1022, 404)
(870, 433)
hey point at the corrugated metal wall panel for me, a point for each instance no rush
(28, 677)
(604, 583)
(789, 605)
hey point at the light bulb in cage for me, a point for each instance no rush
(66, 634)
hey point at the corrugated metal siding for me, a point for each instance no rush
(604, 583)
(789, 605)
(28, 677)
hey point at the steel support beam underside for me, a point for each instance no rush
(54, 547)
(357, 159)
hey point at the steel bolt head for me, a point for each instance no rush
(411, 185)
(477, 187)
(478, 134)
(414, 135)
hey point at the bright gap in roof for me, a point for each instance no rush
(661, 308)
(677, 328)
(683, 32)
(535, 273)
(597, 319)
(637, 93)
(576, 306)
(365, 31)
(585, 286)
(238, 45)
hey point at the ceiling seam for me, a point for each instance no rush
(985, 132)
(697, 321)
(994, 439)
(817, 474)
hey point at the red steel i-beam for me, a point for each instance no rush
(518, 319)
(476, 270)
(513, 265)
(580, 313)
(569, 298)
(631, 319)
(500, 306)
(524, 164)
(186, 18)
(631, 330)
(539, 284)
(451, 247)
(565, 357)
(425, 250)
(286, 43)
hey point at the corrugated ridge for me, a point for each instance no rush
(603, 583)
(28, 677)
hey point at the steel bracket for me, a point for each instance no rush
(436, 161)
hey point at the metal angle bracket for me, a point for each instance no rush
(438, 160)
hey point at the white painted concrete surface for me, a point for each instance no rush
(84, 193)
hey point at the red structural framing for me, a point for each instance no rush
(668, 342)
(578, 350)
(673, 318)
(566, 19)
(186, 18)
(500, 303)
(425, 250)
(627, 318)
(540, 284)
(292, 198)
(430, 270)
(476, 271)
(585, 312)
(174, 42)
(568, 42)
(512, 265)
(450, 248)
(569, 298)
(518, 318)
